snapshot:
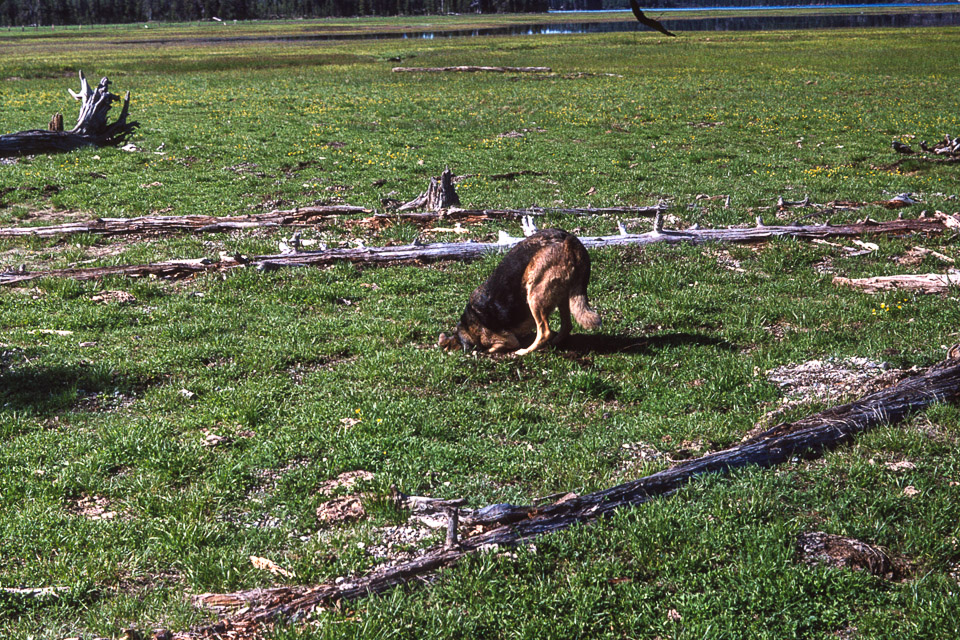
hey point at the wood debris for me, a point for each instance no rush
(91, 128)
(472, 69)
(248, 611)
(180, 224)
(420, 252)
(916, 283)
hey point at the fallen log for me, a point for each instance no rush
(514, 525)
(91, 129)
(472, 69)
(476, 215)
(175, 224)
(949, 147)
(418, 252)
(915, 283)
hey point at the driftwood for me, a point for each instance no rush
(440, 194)
(91, 129)
(472, 69)
(33, 592)
(473, 250)
(478, 215)
(508, 525)
(949, 147)
(169, 224)
(919, 283)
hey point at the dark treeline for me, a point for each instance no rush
(66, 12)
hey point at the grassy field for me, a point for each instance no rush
(115, 487)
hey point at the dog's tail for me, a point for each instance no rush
(580, 308)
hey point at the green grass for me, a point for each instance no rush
(276, 361)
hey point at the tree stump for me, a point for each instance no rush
(439, 195)
(91, 128)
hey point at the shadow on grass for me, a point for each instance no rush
(598, 343)
(43, 391)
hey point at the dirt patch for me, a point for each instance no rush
(828, 381)
(346, 480)
(118, 297)
(832, 378)
(93, 508)
(102, 401)
(818, 548)
(52, 217)
(780, 329)
(268, 479)
(399, 544)
(725, 259)
(635, 454)
(300, 371)
(343, 509)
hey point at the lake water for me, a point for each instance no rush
(885, 5)
(826, 20)
(724, 23)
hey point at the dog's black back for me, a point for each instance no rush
(500, 303)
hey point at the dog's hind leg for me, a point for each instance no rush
(565, 324)
(541, 315)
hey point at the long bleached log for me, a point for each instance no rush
(180, 224)
(913, 283)
(472, 69)
(455, 215)
(473, 250)
(515, 525)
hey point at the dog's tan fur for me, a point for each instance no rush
(549, 270)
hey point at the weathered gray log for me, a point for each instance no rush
(472, 69)
(473, 250)
(914, 283)
(949, 147)
(171, 224)
(91, 129)
(440, 194)
(455, 214)
(807, 437)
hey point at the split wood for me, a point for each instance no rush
(472, 69)
(509, 525)
(171, 224)
(91, 129)
(473, 250)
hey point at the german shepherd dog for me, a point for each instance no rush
(547, 271)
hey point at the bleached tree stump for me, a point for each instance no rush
(91, 129)
(439, 195)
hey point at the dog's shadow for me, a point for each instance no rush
(603, 344)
